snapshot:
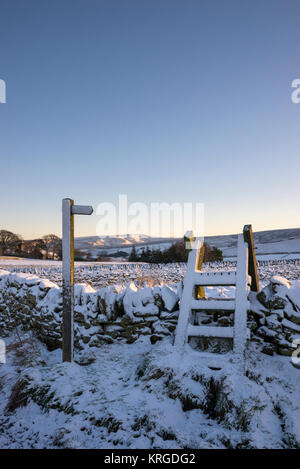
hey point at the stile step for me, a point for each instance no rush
(215, 278)
(226, 305)
(212, 331)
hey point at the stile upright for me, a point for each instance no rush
(68, 212)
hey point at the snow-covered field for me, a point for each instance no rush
(98, 274)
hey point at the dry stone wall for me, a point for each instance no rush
(276, 310)
(100, 316)
(107, 314)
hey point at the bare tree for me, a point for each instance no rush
(10, 243)
(34, 248)
(53, 246)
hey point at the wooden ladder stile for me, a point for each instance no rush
(244, 277)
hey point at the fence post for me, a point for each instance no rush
(189, 240)
(68, 212)
(252, 266)
(68, 278)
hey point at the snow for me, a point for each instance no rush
(290, 325)
(169, 298)
(210, 331)
(145, 396)
(142, 395)
(104, 274)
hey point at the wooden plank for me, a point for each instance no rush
(210, 331)
(252, 265)
(213, 305)
(187, 294)
(189, 242)
(241, 305)
(215, 278)
(2, 351)
(68, 278)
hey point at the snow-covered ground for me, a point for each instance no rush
(144, 396)
(141, 395)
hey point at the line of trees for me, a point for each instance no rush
(47, 247)
(50, 247)
(175, 253)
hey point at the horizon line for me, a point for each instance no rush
(163, 237)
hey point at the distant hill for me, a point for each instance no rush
(266, 242)
(109, 245)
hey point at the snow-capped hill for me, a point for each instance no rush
(266, 242)
(272, 242)
(112, 242)
(95, 245)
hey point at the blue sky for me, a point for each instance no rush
(165, 101)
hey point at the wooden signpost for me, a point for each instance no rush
(68, 212)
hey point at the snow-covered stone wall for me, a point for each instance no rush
(112, 313)
(100, 316)
(276, 309)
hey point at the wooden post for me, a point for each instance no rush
(252, 266)
(2, 351)
(189, 240)
(68, 212)
(68, 278)
(241, 305)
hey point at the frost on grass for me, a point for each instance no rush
(144, 396)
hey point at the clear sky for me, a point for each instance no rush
(162, 100)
